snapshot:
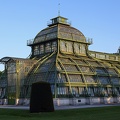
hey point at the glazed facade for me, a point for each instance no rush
(60, 56)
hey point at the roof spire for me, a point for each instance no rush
(59, 8)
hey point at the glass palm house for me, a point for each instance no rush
(60, 55)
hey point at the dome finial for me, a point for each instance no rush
(59, 8)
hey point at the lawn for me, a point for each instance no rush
(101, 113)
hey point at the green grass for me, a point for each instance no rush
(101, 113)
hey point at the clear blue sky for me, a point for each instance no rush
(21, 20)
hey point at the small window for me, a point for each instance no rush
(41, 49)
(48, 47)
(36, 50)
(54, 46)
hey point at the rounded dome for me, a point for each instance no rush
(59, 31)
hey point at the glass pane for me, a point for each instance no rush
(81, 90)
(111, 71)
(93, 63)
(36, 50)
(115, 80)
(104, 80)
(63, 46)
(65, 60)
(70, 67)
(90, 79)
(11, 67)
(85, 69)
(75, 78)
(61, 78)
(41, 49)
(48, 47)
(69, 47)
(54, 46)
(80, 62)
(100, 70)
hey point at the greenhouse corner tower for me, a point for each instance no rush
(60, 56)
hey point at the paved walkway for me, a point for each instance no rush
(59, 107)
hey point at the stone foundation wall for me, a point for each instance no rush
(85, 101)
(70, 101)
(3, 101)
(23, 102)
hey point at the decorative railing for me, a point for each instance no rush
(30, 42)
(89, 40)
(106, 56)
(59, 21)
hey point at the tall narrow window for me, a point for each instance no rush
(82, 48)
(54, 46)
(48, 47)
(63, 46)
(36, 50)
(41, 49)
(69, 47)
